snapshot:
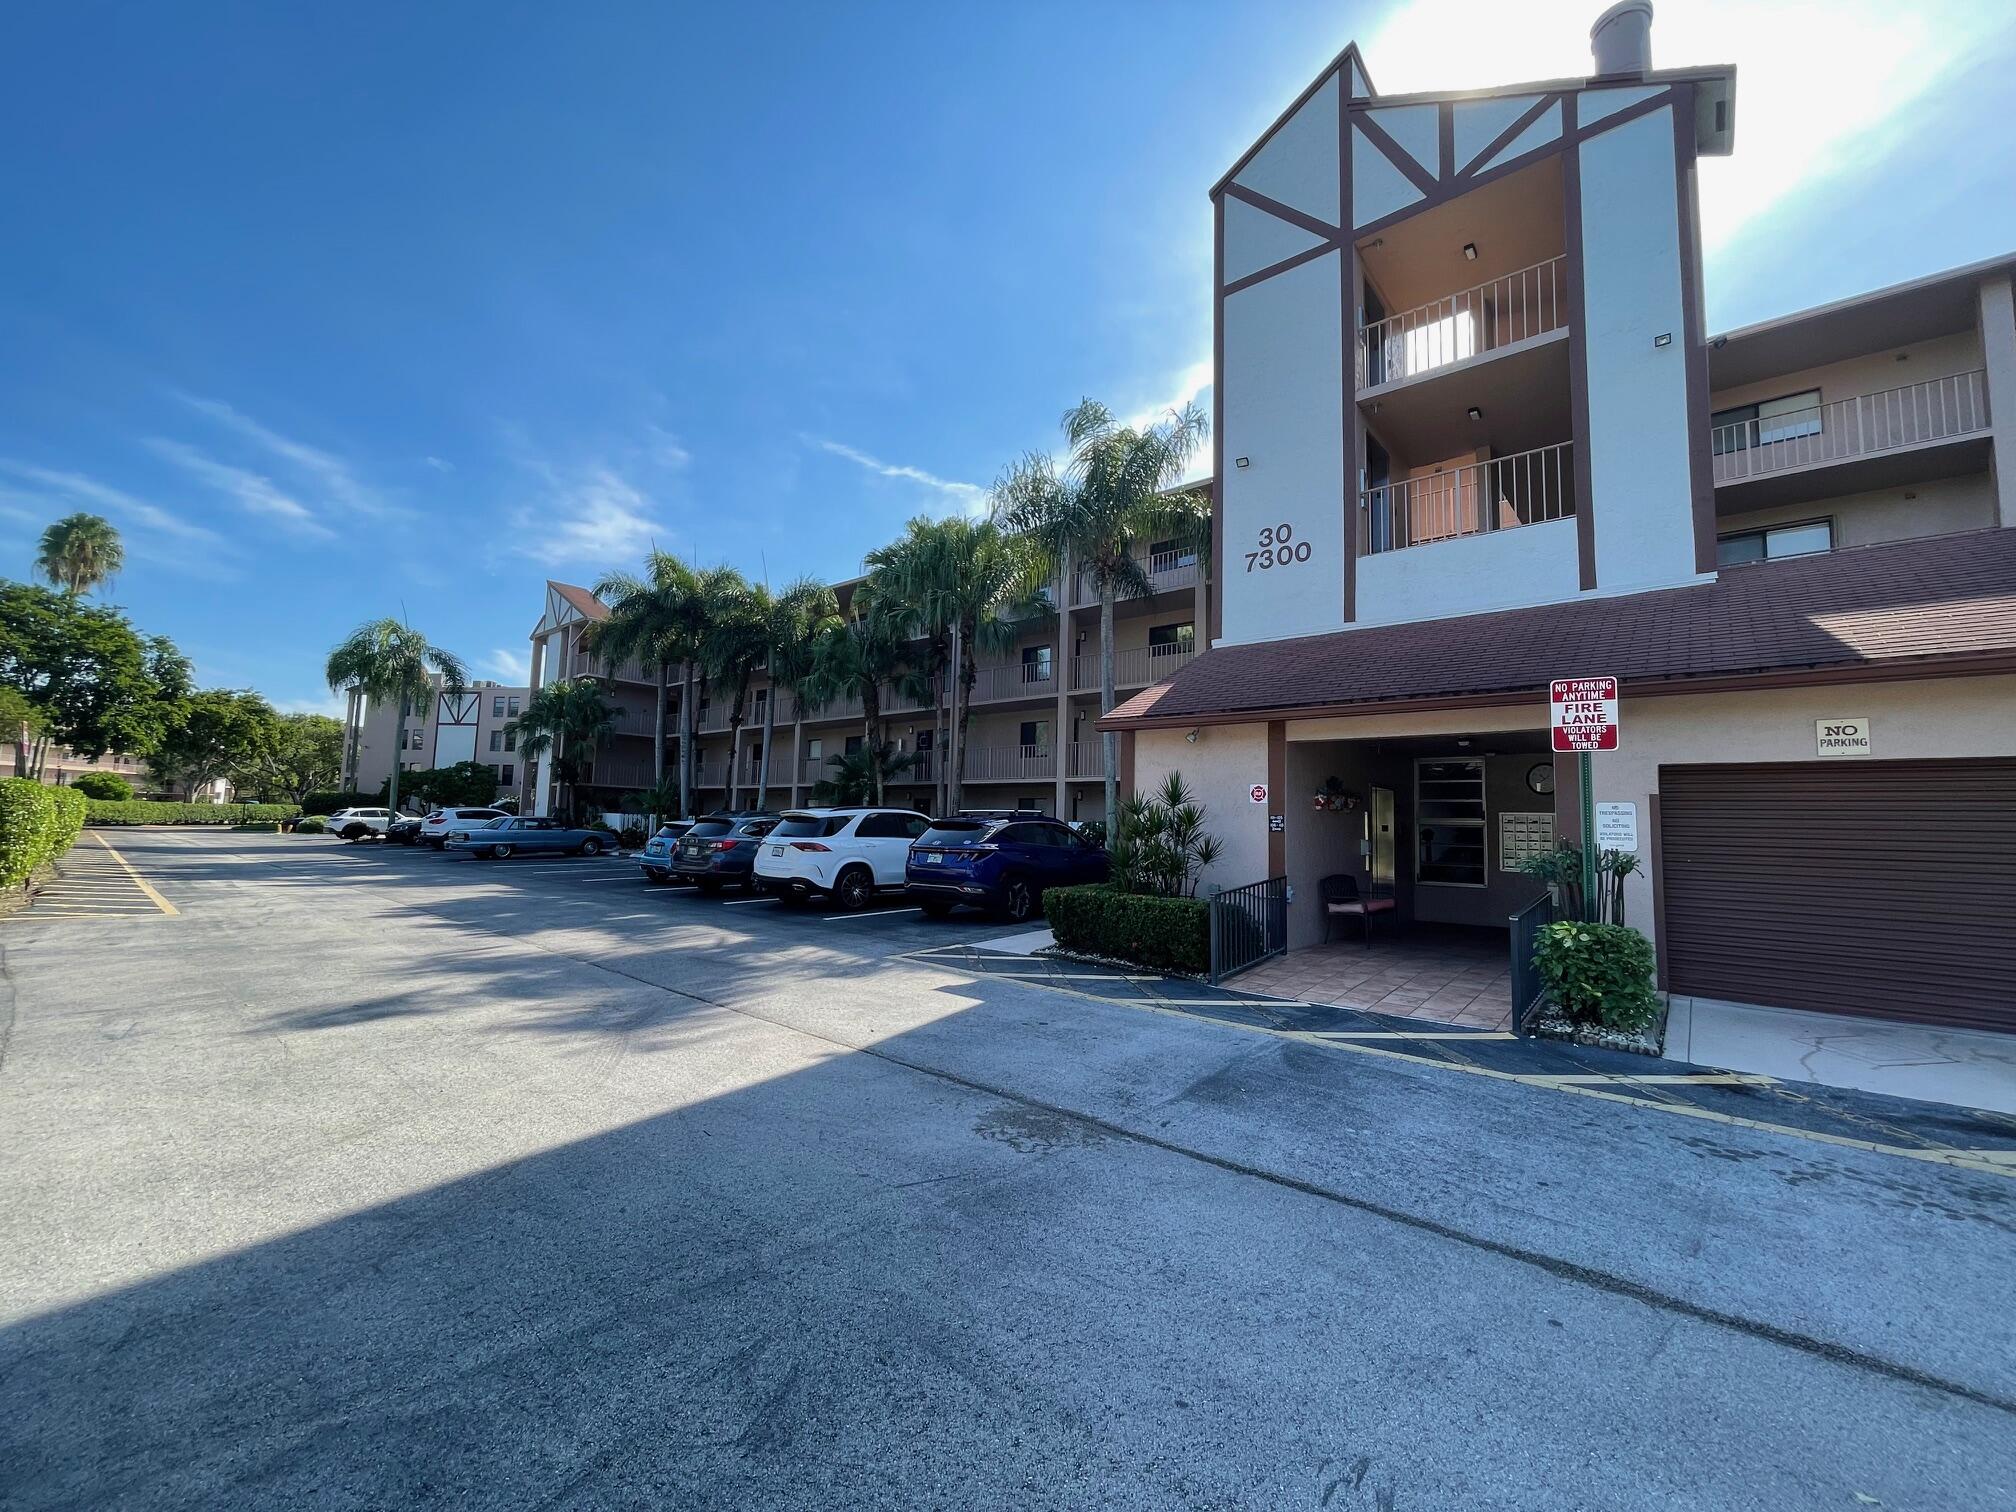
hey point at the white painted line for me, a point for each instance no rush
(1458, 1034)
(1702, 1079)
(879, 913)
(738, 902)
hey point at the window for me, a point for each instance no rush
(1171, 640)
(924, 740)
(511, 740)
(1748, 425)
(1449, 822)
(1035, 737)
(808, 826)
(814, 750)
(496, 708)
(1776, 541)
(853, 744)
(496, 740)
(891, 827)
(414, 737)
(507, 775)
(511, 706)
(1035, 664)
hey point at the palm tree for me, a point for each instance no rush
(1116, 491)
(565, 718)
(855, 656)
(734, 645)
(858, 777)
(656, 620)
(793, 621)
(395, 664)
(79, 552)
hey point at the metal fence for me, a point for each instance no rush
(1527, 991)
(1525, 488)
(1248, 925)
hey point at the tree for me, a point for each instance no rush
(216, 733)
(854, 656)
(859, 776)
(466, 782)
(568, 719)
(793, 622)
(657, 619)
(108, 787)
(1117, 491)
(731, 649)
(79, 552)
(87, 680)
(303, 755)
(1161, 846)
(394, 663)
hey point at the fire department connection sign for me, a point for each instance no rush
(1583, 712)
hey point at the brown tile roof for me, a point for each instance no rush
(1886, 607)
(581, 599)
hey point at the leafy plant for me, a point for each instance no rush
(859, 776)
(466, 782)
(82, 678)
(1561, 869)
(37, 824)
(311, 824)
(1093, 830)
(570, 719)
(107, 785)
(1164, 933)
(329, 803)
(1161, 845)
(633, 836)
(1598, 973)
(140, 811)
(71, 808)
(79, 552)
(394, 663)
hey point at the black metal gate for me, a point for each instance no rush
(1248, 925)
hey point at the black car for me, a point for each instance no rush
(405, 830)
(721, 848)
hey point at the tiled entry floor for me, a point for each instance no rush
(1462, 977)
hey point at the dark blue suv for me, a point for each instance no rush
(998, 862)
(720, 849)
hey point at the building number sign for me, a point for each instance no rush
(1278, 548)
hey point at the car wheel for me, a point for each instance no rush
(355, 832)
(935, 908)
(653, 874)
(590, 847)
(501, 852)
(854, 888)
(1020, 903)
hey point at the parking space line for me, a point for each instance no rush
(879, 913)
(138, 881)
(738, 902)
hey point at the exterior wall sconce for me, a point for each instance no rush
(1469, 251)
(1241, 461)
(1192, 736)
(1476, 413)
(1664, 338)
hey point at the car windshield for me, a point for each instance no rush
(497, 823)
(672, 831)
(711, 829)
(956, 832)
(809, 826)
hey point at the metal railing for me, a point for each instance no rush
(1248, 925)
(1085, 760)
(1016, 680)
(1457, 327)
(1010, 763)
(1525, 488)
(1527, 989)
(1938, 409)
(839, 708)
(1177, 568)
(1136, 667)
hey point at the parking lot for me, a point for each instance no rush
(354, 1177)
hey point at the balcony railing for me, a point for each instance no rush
(1017, 680)
(1939, 409)
(1455, 328)
(1085, 759)
(1136, 667)
(839, 708)
(1010, 763)
(1175, 568)
(1525, 488)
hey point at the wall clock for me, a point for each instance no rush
(1540, 777)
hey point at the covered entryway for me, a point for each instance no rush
(1884, 889)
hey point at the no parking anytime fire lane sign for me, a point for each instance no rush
(1583, 713)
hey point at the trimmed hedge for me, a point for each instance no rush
(330, 803)
(141, 812)
(1167, 934)
(37, 824)
(109, 786)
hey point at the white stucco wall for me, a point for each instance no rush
(1871, 373)
(1220, 769)
(1504, 569)
(1298, 166)
(1283, 404)
(1941, 506)
(1639, 453)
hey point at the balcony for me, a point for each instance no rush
(1853, 445)
(1085, 760)
(1513, 311)
(1010, 764)
(1503, 493)
(1016, 680)
(1136, 667)
(1167, 570)
(839, 708)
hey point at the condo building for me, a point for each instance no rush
(475, 724)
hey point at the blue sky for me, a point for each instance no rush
(345, 311)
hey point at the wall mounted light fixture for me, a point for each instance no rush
(1469, 251)
(1192, 736)
(1476, 413)
(1240, 461)
(1664, 338)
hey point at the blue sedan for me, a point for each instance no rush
(510, 836)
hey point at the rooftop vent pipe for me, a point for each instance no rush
(1621, 39)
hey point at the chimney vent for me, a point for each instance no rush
(1621, 40)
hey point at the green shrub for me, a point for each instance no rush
(28, 828)
(329, 803)
(311, 824)
(633, 836)
(1167, 934)
(1599, 973)
(70, 809)
(107, 785)
(141, 812)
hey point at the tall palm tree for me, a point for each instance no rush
(570, 719)
(79, 552)
(1116, 493)
(395, 664)
(732, 649)
(656, 619)
(911, 570)
(793, 621)
(855, 656)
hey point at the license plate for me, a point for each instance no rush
(776, 850)
(932, 858)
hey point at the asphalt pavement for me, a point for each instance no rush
(347, 1177)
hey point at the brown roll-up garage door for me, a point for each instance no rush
(1885, 888)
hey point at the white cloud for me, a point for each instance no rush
(1814, 82)
(332, 704)
(254, 492)
(439, 464)
(664, 449)
(593, 516)
(332, 477)
(966, 495)
(512, 666)
(76, 488)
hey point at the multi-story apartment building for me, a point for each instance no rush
(473, 725)
(1473, 436)
(1031, 743)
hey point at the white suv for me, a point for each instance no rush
(356, 823)
(848, 854)
(443, 825)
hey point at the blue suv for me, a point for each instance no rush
(720, 849)
(1001, 862)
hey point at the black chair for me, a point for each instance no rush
(1341, 901)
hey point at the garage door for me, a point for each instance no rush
(1885, 888)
